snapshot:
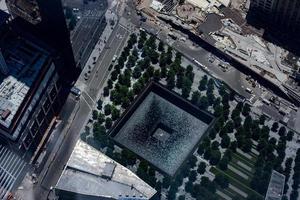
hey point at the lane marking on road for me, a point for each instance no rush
(87, 102)
(126, 28)
(106, 71)
(89, 96)
(106, 51)
(99, 65)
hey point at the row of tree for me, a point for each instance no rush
(296, 177)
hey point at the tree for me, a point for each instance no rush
(171, 79)
(215, 157)
(201, 167)
(222, 180)
(196, 98)
(247, 145)
(205, 182)
(99, 104)
(237, 121)
(289, 136)
(105, 91)
(253, 196)
(224, 163)
(212, 133)
(137, 72)
(192, 161)
(275, 126)
(225, 142)
(114, 75)
(100, 135)
(203, 104)
(110, 84)
(262, 119)
(101, 118)
(207, 153)
(230, 126)
(282, 131)
(107, 109)
(201, 149)
(157, 74)
(235, 113)
(192, 176)
(181, 197)
(125, 102)
(115, 113)
(233, 146)
(215, 145)
(169, 55)
(95, 114)
(189, 71)
(137, 87)
(108, 123)
(186, 87)
(166, 182)
(161, 47)
(203, 83)
(128, 157)
(246, 109)
(218, 110)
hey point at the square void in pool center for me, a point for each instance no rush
(161, 133)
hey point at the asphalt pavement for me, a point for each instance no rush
(234, 78)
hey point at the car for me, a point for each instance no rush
(114, 58)
(76, 91)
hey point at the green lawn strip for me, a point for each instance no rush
(244, 159)
(240, 168)
(254, 156)
(236, 183)
(235, 160)
(238, 177)
(220, 197)
(228, 192)
(233, 193)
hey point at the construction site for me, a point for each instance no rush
(221, 27)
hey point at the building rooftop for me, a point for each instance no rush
(276, 185)
(3, 6)
(20, 65)
(90, 172)
(28, 10)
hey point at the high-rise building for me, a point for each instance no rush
(45, 20)
(37, 68)
(30, 88)
(277, 14)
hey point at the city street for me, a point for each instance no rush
(234, 78)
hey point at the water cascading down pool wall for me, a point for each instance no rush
(162, 128)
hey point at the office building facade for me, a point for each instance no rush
(45, 20)
(30, 89)
(37, 70)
